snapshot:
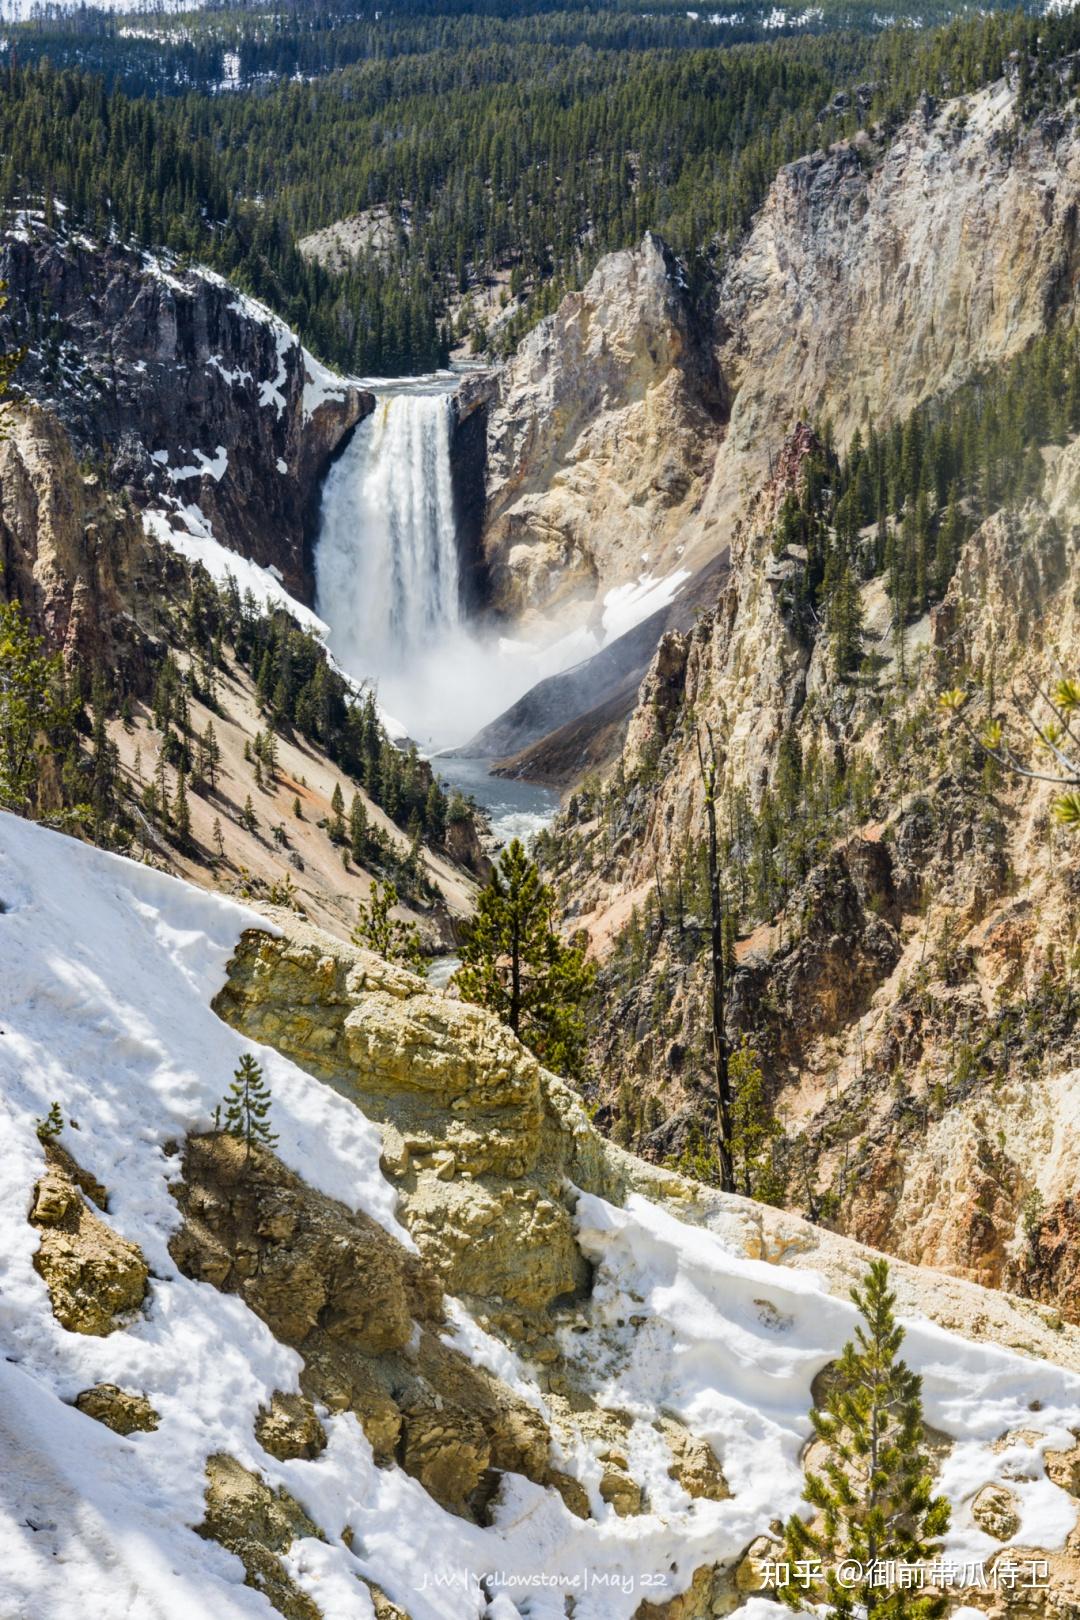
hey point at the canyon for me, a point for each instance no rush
(458, 1309)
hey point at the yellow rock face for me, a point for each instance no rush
(479, 1139)
(94, 1276)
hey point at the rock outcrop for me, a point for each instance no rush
(479, 1139)
(121, 1410)
(257, 1523)
(73, 554)
(95, 1277)
(600, 440)
(366, 1316)
(628, 438)
(188, 393)
(873, 280)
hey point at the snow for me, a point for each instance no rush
(108, 969)
(320, 384)
(270, 389)
(626, 605)
(195, 540)
(731, 1346)
(25, 10)
(235, 377)
(206, 466)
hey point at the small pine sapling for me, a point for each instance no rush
(50, 1127)
(873, 1499)
(247, 1106)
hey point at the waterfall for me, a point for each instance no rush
(387, 562)
(387, 580)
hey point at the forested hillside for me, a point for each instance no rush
(489, 156)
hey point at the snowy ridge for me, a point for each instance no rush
(108, 969)
(196, 541)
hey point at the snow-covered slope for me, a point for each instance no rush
(107, 970)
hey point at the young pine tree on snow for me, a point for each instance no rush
(873, 1497)
(247, 1106)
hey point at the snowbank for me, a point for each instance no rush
(108, 969)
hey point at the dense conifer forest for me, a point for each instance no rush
(489, 154)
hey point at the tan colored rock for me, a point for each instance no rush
(996, 1510)
(694, 1463)
(618, 1489)
(1063, 1468)
(364, 1313)
(479, 1139)
(289, 1428)
(94, 1276)
(248, 1518)
(384, 1608)
(119, 1409)
(601, 440)
(573, 1493)
(300, 1260)
(711, 1593)
(69, 547)
(447, 1450)
(750, 1573)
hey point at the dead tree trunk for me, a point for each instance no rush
(716, 942)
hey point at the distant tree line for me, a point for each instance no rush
(487, 152)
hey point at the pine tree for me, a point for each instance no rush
(514, 963)
(212, 754)
(753, 1127)
(845, 623)
(388, 936)
(51, 1125)
(872, 1501)
(31, 706)
(161, 783)
(181, 812)
(248, 818)
(219, 839)
(337, 819)
(358, 831)
(247, 1106)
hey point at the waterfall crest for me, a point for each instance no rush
(387, 575)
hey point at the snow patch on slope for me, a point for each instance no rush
(108, 969)
(195, 540)
(731, 1346)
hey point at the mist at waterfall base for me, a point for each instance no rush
(387, 572)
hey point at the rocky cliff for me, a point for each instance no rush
(72, 551)
(628, 436)
(876, 276)
(913, 1000)
(601, 439)
(179, 388)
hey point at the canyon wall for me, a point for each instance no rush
(179, 388)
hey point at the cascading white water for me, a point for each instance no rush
(387, 560)
(388, 586)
